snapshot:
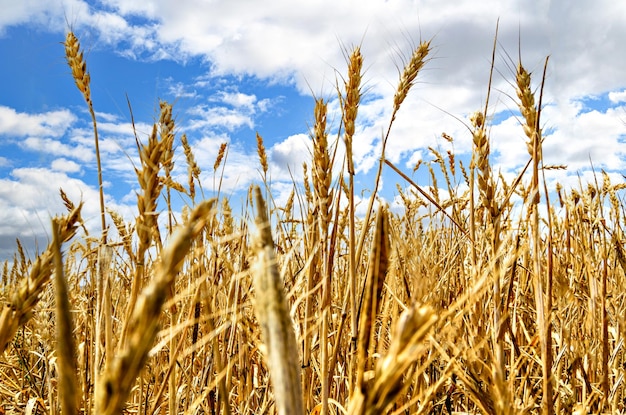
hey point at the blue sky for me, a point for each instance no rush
(235, 67)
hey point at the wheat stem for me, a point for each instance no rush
(273, 314)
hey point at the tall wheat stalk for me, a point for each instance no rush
(349, 111)
(153, 156)
(82, 79)
(543, 297)
(407, 79)
(66, 349)
(273, 314)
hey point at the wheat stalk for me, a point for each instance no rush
(405, 83)
(220, 156)
(151, 156)
(533, 131)
(349, 113)
(66, 354)
(82, 79)
(273, 314)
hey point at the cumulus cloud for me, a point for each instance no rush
(66, 166)
(205, 149)
(180, 90)
(617, 96)
(55, 147)
(238, 99)
(206, 116)
(14, 13)
(288, 156)
(267, 39)
(226, 109)
(48, 124)
(30, 197)
(237, 170)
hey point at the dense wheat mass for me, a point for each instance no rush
(482, 294)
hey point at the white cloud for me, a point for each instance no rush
(288, 156)
(303, 44)
(240, 170)
(238, 99)
(265, 104)
(57, 148)
(180, 90)
(242, 167)
(597, 140)
(47, 124)
(17, 12)
(617, 96)
(53, 134)
(275, 40)
(218, 117)
(30, 197)
(227, 109)
(573, 136)
(237, 170)
(123, 129)
(206, 148)
(65, 166)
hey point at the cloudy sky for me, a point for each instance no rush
(236, 67)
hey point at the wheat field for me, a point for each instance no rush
(507, 297)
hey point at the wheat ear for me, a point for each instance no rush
(273, 314)
(386, 385)
(66, 360)
(193, 170)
